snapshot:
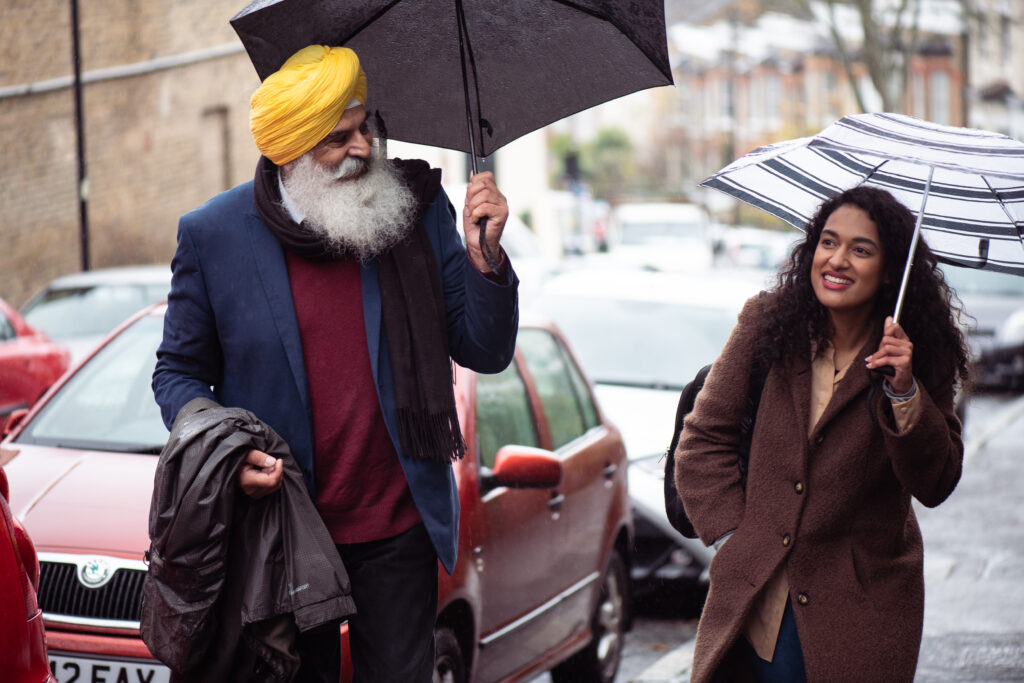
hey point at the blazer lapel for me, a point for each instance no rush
(372, 314)
(273, 270)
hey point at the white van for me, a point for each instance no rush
(663, 235)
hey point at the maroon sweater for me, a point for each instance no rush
(361, 491)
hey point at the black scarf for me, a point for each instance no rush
(413, 312)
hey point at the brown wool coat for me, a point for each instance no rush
(842, 497)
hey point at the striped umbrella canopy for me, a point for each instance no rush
(965, 186)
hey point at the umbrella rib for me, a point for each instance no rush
(620, 28)
(1002, 206)
(381, 12)
(875, 170)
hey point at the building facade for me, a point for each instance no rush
(777, 77)
(165, 93)
(996, 92)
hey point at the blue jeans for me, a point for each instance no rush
(787, 665)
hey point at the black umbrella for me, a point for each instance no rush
(472, 76)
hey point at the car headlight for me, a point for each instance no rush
(1011, 332)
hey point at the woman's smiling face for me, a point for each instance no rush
(848, 266)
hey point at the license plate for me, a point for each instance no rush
(74, 669)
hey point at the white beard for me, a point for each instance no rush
(363, 215)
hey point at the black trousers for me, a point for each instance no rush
(394, 585)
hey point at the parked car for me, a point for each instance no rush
(661, 235)
(748, 246)
(29, 363)
(989, 298)
(641, 336)
(79, 310)
(22, 639)
(545, 542)
(1000, 366)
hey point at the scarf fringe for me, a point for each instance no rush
(431, 437)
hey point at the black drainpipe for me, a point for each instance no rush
(83, 180)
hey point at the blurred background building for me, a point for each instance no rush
(164, 91)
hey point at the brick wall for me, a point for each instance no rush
(157, 143)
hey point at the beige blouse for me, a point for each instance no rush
(762, 626)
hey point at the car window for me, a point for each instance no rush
(503, 414)
(80, 311)
(6, 329)
(549, 367)
(157, 293)
(582, 390)
(108, 405)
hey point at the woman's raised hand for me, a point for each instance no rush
(897, 351)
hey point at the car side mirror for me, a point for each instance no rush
(523, 467)
(16, 418)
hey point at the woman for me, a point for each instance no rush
(819, 572)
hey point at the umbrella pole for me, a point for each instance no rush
(489, 257)
(913, 246)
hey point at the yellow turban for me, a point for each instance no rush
(300, 103)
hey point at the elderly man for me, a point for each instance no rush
(327, 296)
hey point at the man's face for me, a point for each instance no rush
(350, 138)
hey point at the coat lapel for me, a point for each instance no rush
(856, 381)
(798, 381)
(273, 271)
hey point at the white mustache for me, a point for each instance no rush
(351, 167)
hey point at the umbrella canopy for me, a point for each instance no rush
(472, 78)
(966, 186)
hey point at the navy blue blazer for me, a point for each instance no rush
(231, 335)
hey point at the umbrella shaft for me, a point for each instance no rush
(913, 246)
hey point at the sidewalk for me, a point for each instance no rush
(674, 667)
(974, 567)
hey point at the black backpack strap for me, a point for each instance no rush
(673, 505)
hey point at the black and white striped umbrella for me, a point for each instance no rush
(966, 186)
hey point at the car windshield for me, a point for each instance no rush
(91, 310)
(108, 404)
(644, 232)
(640, 343)
(971, 281)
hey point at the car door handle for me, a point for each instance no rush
(610, 471)
(556, 501)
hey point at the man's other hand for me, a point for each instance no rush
(260, 475)
(483, 200)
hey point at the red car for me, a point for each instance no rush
(542, 577)
(22, 641)
(29, 363)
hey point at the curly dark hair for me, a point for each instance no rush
(930, 307)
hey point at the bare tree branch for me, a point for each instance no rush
(844, 55)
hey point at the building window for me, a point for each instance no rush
(918, 101)
(938, 97)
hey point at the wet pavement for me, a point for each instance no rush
(974, 563)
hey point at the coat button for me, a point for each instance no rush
(819, 439)
(802, 598)
(799, 486)
(786, 540)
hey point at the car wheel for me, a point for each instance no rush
(449, 665)
(599, 661)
